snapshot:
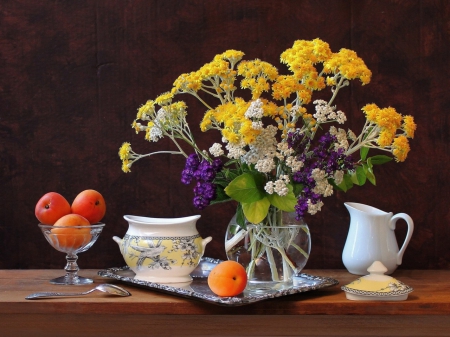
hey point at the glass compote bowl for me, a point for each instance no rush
(71, 240)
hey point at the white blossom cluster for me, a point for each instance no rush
(324, 113)
(314, 208)
(235, 151)
(216, 150)
(262, 151)
(255, 110)
(341, 135)
(279, 186)
(322, 185)
(290, 160)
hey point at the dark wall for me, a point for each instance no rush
(73, 73)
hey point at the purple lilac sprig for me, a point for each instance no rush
(204, 173)
(324, 157)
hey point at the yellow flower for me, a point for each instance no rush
(400, 148)
(206, 122)
(389, 119)
(409, 126)
(284, 87)
(371, 111)
(124, 151)
(126, 166)
(234, 56)
(347, 63)
(270, 109)
(164, 98)
(136, 126)
(191, 82)
(256, 75)
(385, 138)
(147, 109)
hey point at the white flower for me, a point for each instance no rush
(216, 150)
(279, 186)
(264, 147)
(265, 165)
(294, 111)
(341, 136)
(351, 135)
(235, 151)
(341, 118)
(294, 164)
(155, 133)
(257, 125)
(314, 208)
(322, 186)
(269, 187)
(255, 110)
(325, 112)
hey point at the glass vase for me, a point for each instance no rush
(273, 251)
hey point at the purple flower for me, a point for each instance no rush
(204, 173)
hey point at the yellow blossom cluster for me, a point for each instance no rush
(347, 64)
(230, 120)
(385, 124)
(256, 75)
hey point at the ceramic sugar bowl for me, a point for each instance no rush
(162, 250)
(376, 286)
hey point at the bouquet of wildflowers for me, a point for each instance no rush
(279, 148)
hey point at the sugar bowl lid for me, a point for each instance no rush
(376, 286)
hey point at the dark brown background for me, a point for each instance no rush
(73, 73)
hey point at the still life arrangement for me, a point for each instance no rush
(281, 151)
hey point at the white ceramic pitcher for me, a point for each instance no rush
(371, 238)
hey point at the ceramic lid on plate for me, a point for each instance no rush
(376, 286)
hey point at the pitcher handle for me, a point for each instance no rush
(410, 224)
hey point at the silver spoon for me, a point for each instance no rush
(106, 288)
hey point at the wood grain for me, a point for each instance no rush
(325, 312)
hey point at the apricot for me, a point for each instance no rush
(74, 233)
(50, 207)
(228, 278)
(89, 204)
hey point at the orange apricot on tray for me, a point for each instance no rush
(228, 278)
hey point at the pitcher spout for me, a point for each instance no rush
(366, 209)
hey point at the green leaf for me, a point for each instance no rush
(363, 152)
(368, 169)
(297, 188)
(285, 203)
(359, 177)
(248, 188)
(256, 211)
(346, 183)
(380, 159)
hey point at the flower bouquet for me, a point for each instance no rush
(280, 150)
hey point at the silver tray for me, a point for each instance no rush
(198, 288)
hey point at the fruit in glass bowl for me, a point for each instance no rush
(72, 234)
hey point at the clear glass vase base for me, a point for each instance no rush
(271, 255)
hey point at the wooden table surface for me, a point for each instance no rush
(324, 312)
